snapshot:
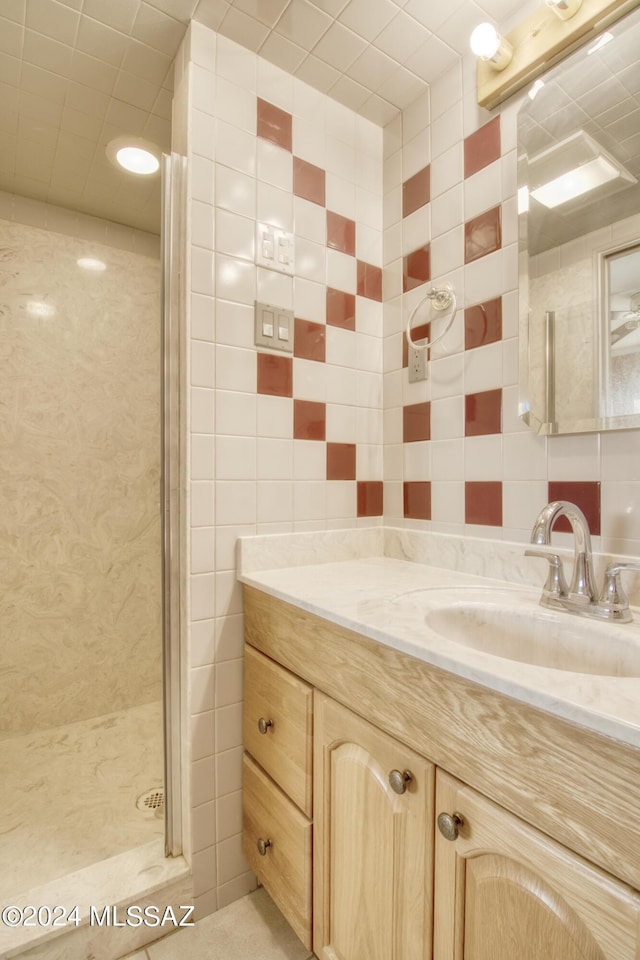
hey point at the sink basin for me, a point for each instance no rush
(531, 634)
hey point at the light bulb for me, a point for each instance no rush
(137, 160)
(487, 44)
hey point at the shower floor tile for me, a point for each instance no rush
(249, 929)
(68, 795)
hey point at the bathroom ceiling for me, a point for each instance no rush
(75, 74)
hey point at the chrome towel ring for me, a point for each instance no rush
(442, 298)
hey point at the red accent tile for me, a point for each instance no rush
(369, 281)
(483, 413)
(483, 235)
(308, 181)
(483, 323)
(341, 461)
(416, 191)
(483, 502)
(585, 494)
(369, 498)
(274, 124)
(482, 147)
(416, 268)
(416, 422)
(341, 309)
(417, 334)
(309, 340)
(341, 233)
(275, 375)
(309, 420)
(417, 499)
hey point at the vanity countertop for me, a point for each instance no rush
(389, 600)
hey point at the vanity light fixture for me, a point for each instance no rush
(564, 9)
(487, 44)
(134, 155)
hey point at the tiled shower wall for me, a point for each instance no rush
(277, 442)
(457, 457)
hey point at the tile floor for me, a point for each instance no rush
(249, 929)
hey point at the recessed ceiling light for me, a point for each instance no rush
(134, 155)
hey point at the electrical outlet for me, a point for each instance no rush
(417, 365)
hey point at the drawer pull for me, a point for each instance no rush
(263, 846)
(400, 781)
(263, 725)
(449, 825)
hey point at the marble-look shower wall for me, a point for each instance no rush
(80, 608)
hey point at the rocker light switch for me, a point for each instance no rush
(275, 249)
(273, 327)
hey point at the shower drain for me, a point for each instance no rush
(152, 800)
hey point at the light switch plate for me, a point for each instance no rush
(273, 327)
(275, 249)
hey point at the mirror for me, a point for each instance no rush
(579, 226)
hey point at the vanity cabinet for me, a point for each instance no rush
(277, 778)
(538, 854)
(373, 841)
(504, 890)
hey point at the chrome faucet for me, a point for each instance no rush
(580, 597)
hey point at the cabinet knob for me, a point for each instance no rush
(263, 725)
(263, 846)
(449, 825)
(400, 781)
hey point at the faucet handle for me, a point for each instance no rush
(556, 585)
(614, 603)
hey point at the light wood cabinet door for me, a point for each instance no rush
(503, 891)
(372, 846)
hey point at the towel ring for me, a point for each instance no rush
(442, 298)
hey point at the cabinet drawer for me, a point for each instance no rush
(285, 867)
(274, 695)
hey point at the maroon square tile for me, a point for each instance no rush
(341, 233)
(416, 191)
(341, 461)
(341, 309)
(309, 420)
(483, 502)
(482, 147)
(274, 124)
(483, 323)
(369, 281)
(483, 235)
(483, 413)
(416, 268)
(585, 494)
(417, 499)
(308, 181)
(309, 340)
(416, 422)
(418, 333)
(369, 494)
(275, 375)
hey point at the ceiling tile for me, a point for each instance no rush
(332, 7)
(431, 15)
(87, 100)
(162, 105)
(457, 28)
(134, 90)
(211, 13)
(10, 68)
(14, 10)
(80, 123)
(339, 47)
(368, 17)
(266, 11)
(119, 14)
(126, 118)
(181, 10)
(282, 52)
(402, 88)
(92, 73)
(11, 37)
(348, 92)
(101, 42)
(243, 29)
(157, 30)
(43, 83)
(401, 37)
(53, 19)
(46, 53)
(303, 23)
(372, 68)
(432, 59)
(37, 108)
(143, 61)
(317, 73)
